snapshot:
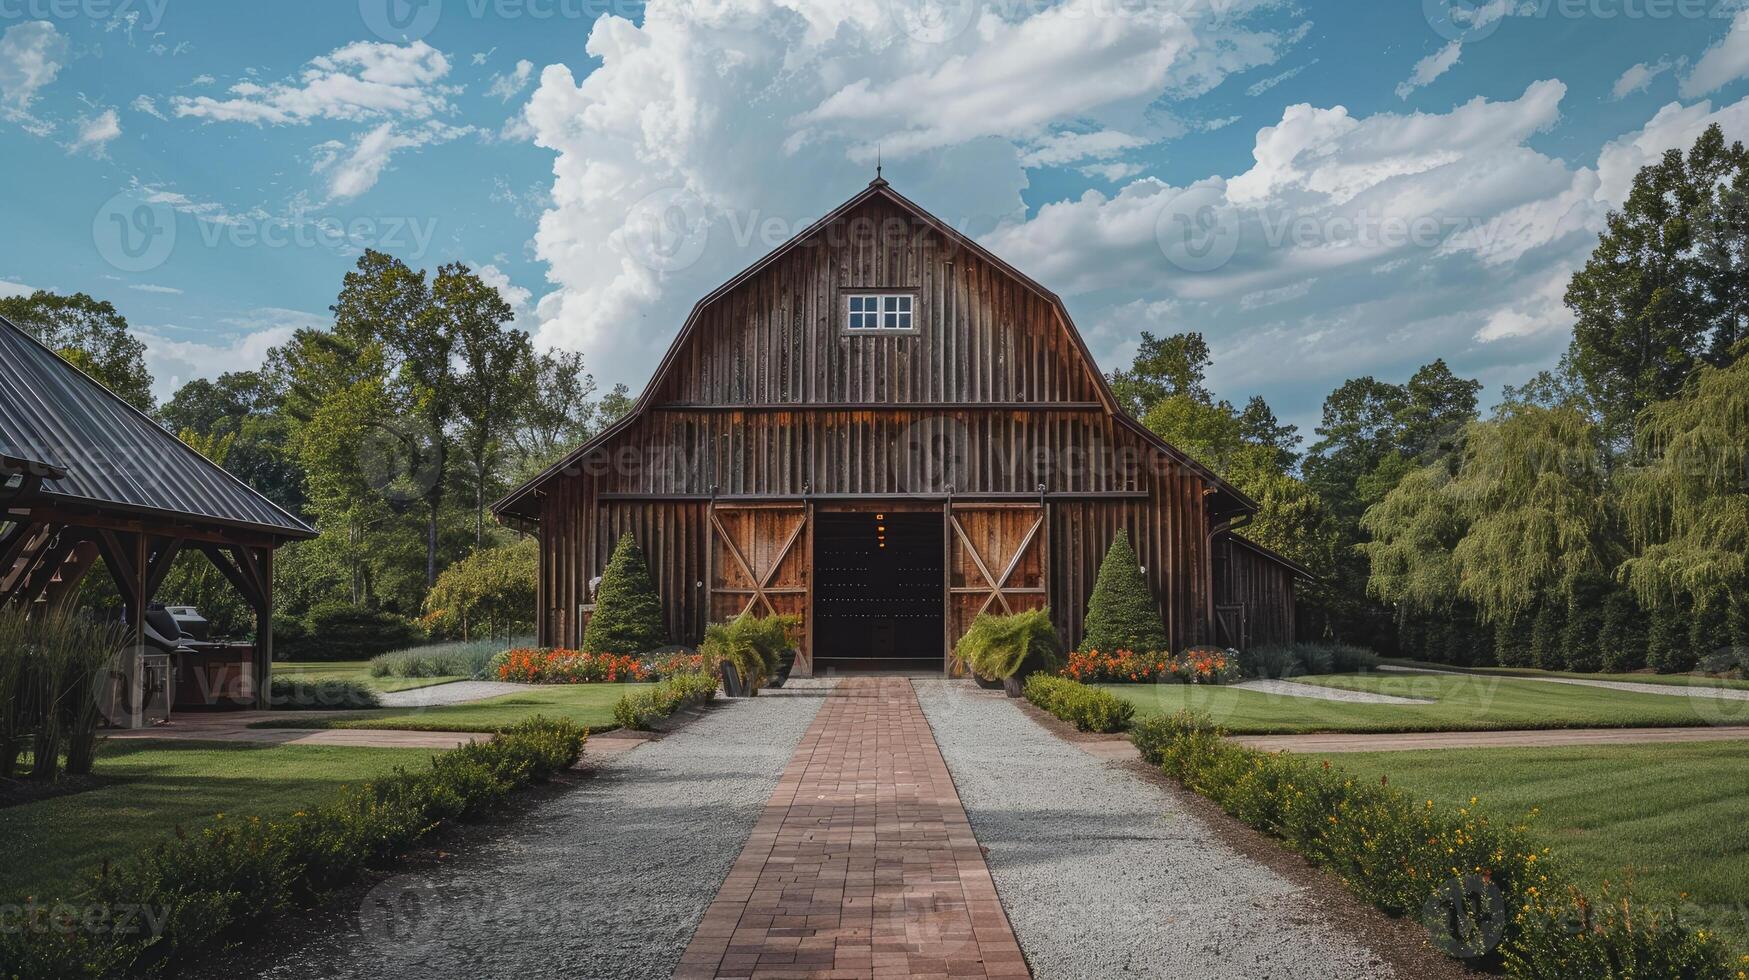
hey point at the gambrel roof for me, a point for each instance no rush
(1235, 501)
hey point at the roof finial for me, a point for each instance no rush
(877, 161)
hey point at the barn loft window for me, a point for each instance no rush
(880, 312)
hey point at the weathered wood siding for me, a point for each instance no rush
(1264, 586)
(769, 398)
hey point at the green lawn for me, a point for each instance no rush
(1670, 680)
(589, 705)
(1463, 702)
(354, 670)
(149, 788)
(1671, 817)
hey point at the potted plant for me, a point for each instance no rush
(1006, 649)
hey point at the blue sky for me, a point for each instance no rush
(1365, 186)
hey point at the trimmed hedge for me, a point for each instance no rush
(203, 887)
(628, 612)
(1484, 892)
(640, 709)
(1296, 659)
(1089, 709)
(341, 631)
(1122, 613)
(293, 694)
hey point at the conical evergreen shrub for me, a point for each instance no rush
(628, 613)
(1122, 614)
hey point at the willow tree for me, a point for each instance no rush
(1414, 531)
(1688, 507)
(1533, 484)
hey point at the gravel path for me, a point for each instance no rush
(1318, 692)
(1700, 690)
(1104, 875)
(455, 692)
(606, 881)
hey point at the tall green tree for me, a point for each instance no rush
(91, 334)
(1665, 289)
(495, 374)
(561, 411)
(1164, 366)
(1688, 505)
(245, 406)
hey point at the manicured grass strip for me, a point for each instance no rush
(209, 885)
(1671, 680)
(355, 670)
(146, 789)
(1483, 888)
(585, 705)
(1463, 703)
(1668, 818)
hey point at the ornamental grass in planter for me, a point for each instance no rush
(1007, 648)
(749, 650)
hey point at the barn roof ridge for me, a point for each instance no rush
(878, 187)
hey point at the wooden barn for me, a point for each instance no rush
(886, 429)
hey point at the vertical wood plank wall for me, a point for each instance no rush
(1263, 586)
(770, 396)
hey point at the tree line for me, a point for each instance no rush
(1596, 519)
(390, 430)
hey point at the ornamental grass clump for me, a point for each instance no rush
(463, 658)
(753, 645)
(628, 612)
(1485, 893)
(997, 648)
(52, 667)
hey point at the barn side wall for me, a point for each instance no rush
(1263, 586)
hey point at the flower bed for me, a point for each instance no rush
(202, 886)
(1196, 665)
(530, 665)
(1484, 893)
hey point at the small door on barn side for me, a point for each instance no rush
(996, 563)
(759, 563)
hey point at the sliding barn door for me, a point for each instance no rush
(996, 563)
(760, 563)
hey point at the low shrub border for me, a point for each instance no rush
(1089, 709)
(294, 694)
(639, 709)
(194, 891)
(1481, 889)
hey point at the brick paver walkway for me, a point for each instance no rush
(863, 864)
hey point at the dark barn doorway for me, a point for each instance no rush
(878, 591)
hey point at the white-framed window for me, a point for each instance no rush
(880, 311)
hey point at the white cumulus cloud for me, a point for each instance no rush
(360, 81)
(1725, 62)
(31, 55)
(95, 133)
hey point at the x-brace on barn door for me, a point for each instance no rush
(996, 562)
(759, 563)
